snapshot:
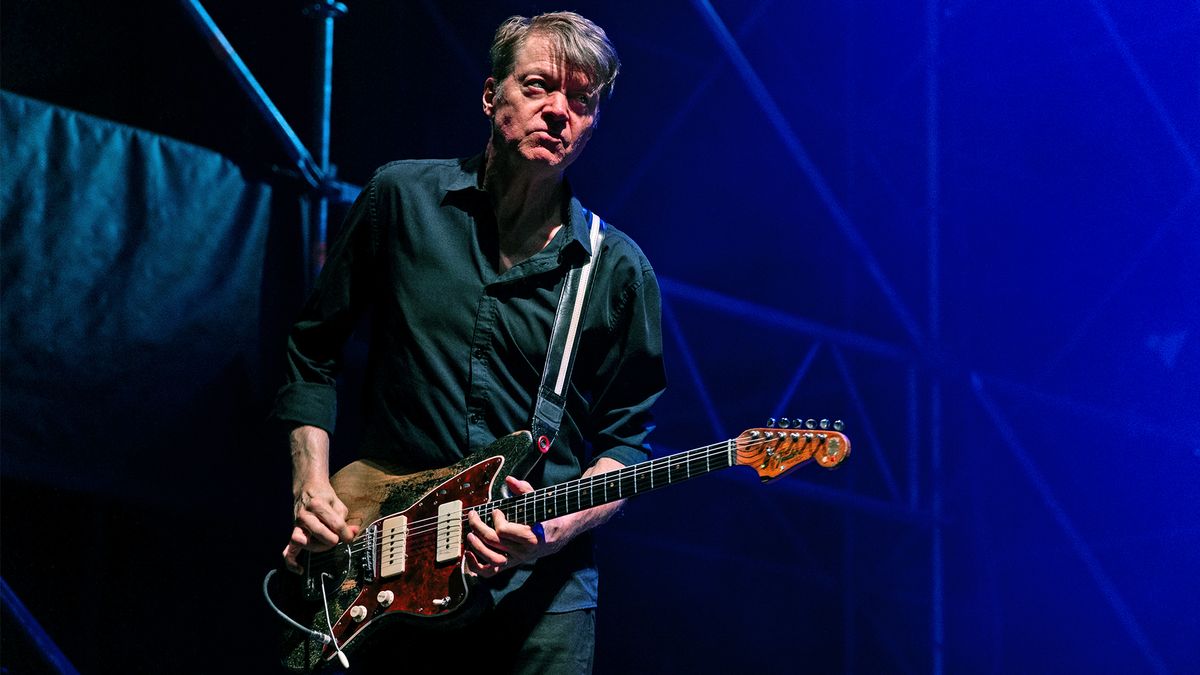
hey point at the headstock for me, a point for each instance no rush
(785, 444)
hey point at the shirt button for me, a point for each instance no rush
(479, 354)
(476, 418)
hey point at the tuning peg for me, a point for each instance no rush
(783, 422)
(824, 424)
(810, 423)
(837, 425)
(771, 422)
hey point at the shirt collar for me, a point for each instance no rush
(575, 235)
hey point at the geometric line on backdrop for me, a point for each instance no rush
(761, 94)
(1132, 265)
(793, 533)
(1108, 589)
(801, 486)
(914, 442)
(769, 316)
(1144, 82)
(790, 390)
(665, 132)
(690, 362)
(933, 199)
(868, 428)
(20, 619)
(1182, 434)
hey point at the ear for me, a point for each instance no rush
(489, 96)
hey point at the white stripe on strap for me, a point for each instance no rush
(585, 275)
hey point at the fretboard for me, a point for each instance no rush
(584, 493)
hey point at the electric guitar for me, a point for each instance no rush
(407, 559)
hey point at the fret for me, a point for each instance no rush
(627, 482)
(583, 493)
(647, 482)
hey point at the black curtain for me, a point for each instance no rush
(145, 290)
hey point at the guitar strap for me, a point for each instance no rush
(560, 356)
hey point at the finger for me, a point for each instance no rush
(330, 514)
(323, 536)
(299, 536)
(291, 554)
(472, 563)
(477, 569)
(512, 532)
(482, 531)
(484, 554)
(518, 486)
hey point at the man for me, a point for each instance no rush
(461, 263)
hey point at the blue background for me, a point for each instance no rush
(969, 229)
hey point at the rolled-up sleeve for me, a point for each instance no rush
(329, 316)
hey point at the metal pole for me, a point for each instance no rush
(303, 161)
(933, 199)
(325, 12)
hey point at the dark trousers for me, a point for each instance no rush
(503, 640)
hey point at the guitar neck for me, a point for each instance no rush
(584, 493)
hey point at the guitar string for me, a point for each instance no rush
(420, 539)
(530, 501)
(661, 467)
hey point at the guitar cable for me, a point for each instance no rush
(324, 638)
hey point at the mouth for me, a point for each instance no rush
(547, 136)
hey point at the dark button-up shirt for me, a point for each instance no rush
(457, 347)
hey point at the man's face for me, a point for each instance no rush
(543, 112)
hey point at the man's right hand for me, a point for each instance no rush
(320, 523)
(320, 516)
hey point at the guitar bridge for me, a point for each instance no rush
(368, 568)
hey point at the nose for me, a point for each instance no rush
(556, 105)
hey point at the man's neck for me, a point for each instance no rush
(528, 207)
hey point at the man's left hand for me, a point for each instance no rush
(504, 545)
(491, 550)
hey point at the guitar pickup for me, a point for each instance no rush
(393, 538)
(449, 531)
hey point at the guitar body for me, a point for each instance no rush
(420, 566)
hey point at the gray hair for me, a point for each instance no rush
(581, 43)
